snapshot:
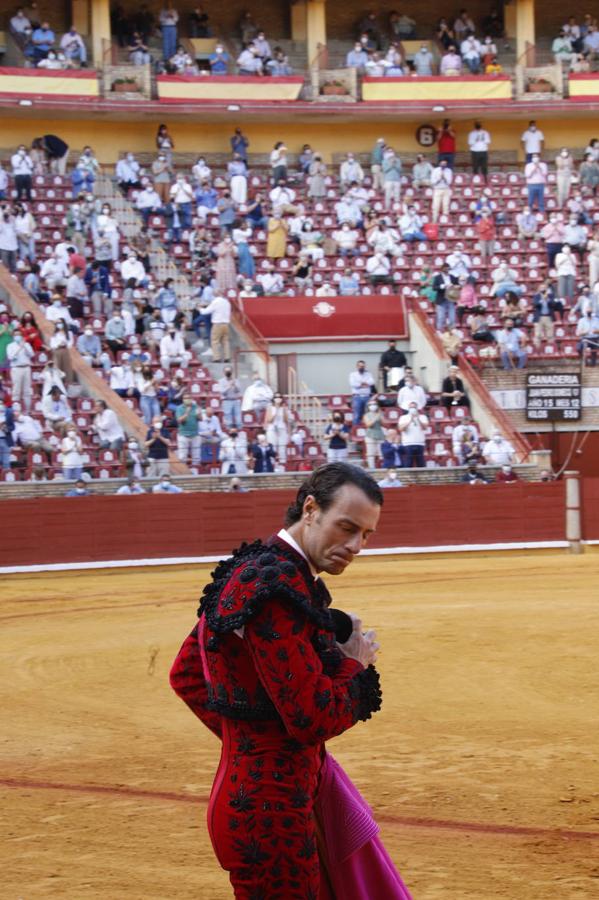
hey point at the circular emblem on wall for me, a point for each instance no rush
(426, 135)
(323, 309)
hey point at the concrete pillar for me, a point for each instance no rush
(80, 16)
(573, 518)
(316, 29)
(101, 37)
(299, 20)
(525, 30)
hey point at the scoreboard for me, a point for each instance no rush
(553, 397)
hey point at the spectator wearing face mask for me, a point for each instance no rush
(157, 445)
(161, 174)
(90, 347)
(264, 454)
(564, 165)
(22, 171)
(412, 428)
(80, 489)
(128, 173)
(512, 343)
(233, 453)
(532, 141)
(337, 432)
(20, 356)
(188, 436)
(372, 421)
(73, 46)
(362, 386)
(166, 486)
(133, 486)
(71, 448)
(172, 349)
(498, 451)
(391, 480)
(108, 428)
(230, 392)
(278, 421)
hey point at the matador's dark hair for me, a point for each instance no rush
(324, 483)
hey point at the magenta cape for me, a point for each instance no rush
(356, 862)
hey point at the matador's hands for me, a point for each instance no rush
(361, 645)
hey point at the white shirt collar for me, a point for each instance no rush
(285, 536)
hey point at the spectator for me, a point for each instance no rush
(473, 476)
(188, 440)
(422, 172)
(325, 290)
(270, 281)
(276, 245)
(337, 433)
(219, 310)
(588, 172)
(423, 61)
(233, 453)
(73, 46)
(446, 287)
(42, 41)
(479, 141)
(412, 427)
(108, 226)
(264, 454)
(257, 396)
(411, 225)
(278, 420)
(255, 213)
(391, 365)
(553, 235)
(249, 61)
(71, 448)
(465, 441)
(25, 228)
(148, 202)
(378, 268)
(30, 332)
(504, 280)
(278, 66)
(90, 347)
(587, 332)
(459, 262)
(410, 392)
(535, 174)
(317, 174)
(27, 433)
(357, 57)
(451, 63)
(485, 230)
(376, 164)
(350, 172)
(138, 51)
(81, 489)
(349, 284)
(527, 224)
(512, 343)
(390, 480)
(532, 141)
(564, 164)
(115, 333)
(57, 412)
(278, 163)
(107, 427)
(346, 239)
(562, 49)
(565, 265)
(22, 171)
(133, 486)
(453, 392)
(172, 349)
(391, 173)
(229, 389)
(471, 53)
(506, 475)
(182, 197)
(19, 356)
(157, 445)
(169, 19)
(239, 145)
(544, 311)
(166, 486)
(441, 181)
(8, 239)
(373, 423)
(60, 344)
(282, 197)
(392, 451)
(362, 386)
(576, 236)
(498, 451)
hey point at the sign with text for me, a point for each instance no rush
(553, 397)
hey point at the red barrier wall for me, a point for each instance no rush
(52, 530)
(590, 508)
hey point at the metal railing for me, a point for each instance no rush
(303, 402)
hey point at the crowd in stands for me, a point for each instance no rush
(497, 260)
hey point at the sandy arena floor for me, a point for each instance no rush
(482, 766)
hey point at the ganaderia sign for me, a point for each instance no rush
(553, 397)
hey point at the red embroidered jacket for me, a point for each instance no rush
(287, 668)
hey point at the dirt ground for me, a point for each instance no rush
(481, 767)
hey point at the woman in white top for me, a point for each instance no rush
(278, 162)
(201, 172)
(564, 164)
(109, 225)
(60, 342)
(52, 376)
(71, 448)
(145, 383)
(565, 267)
(277, 420)
(25, 228)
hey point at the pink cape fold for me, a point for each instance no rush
(357, 864)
